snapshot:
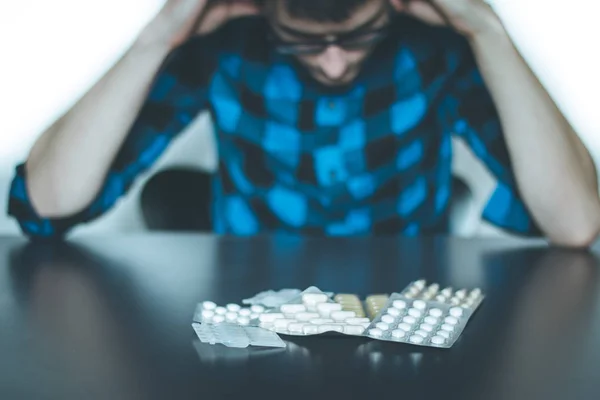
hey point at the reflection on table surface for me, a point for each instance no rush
(111, 318)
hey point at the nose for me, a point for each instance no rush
(333, 62)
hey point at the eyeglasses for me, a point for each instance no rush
(350, 41)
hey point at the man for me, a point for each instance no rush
(333, 117)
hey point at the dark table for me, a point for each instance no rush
(110, 318)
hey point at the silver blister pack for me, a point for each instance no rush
(236, 336)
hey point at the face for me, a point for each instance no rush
(333, 53)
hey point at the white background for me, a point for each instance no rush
(51, 51)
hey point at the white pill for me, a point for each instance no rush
(376, 332)
(421, 332)
(342, 315)
(475, 293)
(456, 312)
(413, 312)
(310, 329)
(420, 284)
(243, 320)
(245, 312)
(306, 316)
(419, 304)
(461, 294)
(398, 333)
(440, 298)
(443, 334)
(283, 323)
(447, 292)
(325, 309)
(438, 340)
(233, 307)
(435, 312)
(312, 299)
(394, 312)
(231, 316)
(433, 288)
(209, 305)
(426, 327)
(321, 321)
(413, 291)
(382, 325)
(257, 309)
(207, 314)
(388, 319)
(296, 327)
(330, 328)
(451, 320)
(270, 317)
(416, 339)
(221, 310)
(447, 328)
(430, 320)
(353, 330)
(409, 319)
(405, 327)
(399, 304)
(454, 301)
(292, 308)
(217, 319)
(357, 321)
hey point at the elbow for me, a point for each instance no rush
(580, 236)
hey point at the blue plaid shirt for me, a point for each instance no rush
(299, 158)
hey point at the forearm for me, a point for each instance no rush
(553, 169)
(67, 165)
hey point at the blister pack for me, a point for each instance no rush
(418, 316)
(313, 313)
(209, 312)
(236, 336)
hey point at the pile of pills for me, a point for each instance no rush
(236, 336)
(210, 312)
(419, 291)
(351, 302)
(313, 315)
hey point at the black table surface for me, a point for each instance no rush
(110, 318)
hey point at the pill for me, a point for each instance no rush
(312, 299)
(454, 301)
(325, 309)
(217, 319)
(296, 327)
(456, 312)
(245, 312)
(221, 310)
(416, 339)
(405, 327)
(451, 320)
(209, 305)
(207, 314)
(420, 284)
(330, 328)
(447, 327)
(413, 312)
(433, 289)
(435, 312)
(243, 320)
(342, 315)
(310, 329)
(270, 317)
(440, 298)
(398, 333)
(438, 340)
(419, 304)
(376, 332)
(292, 308)
(461, 294)
(283, 323)
(421, 332)
(382, 325)
(430, 320)
(409, 319)
(388, 319)
(475, 293)
(231, 316)
(357, 321)
(444, 334)
(321, 321)
(426, 327)
(233, 307)
(394, 312)
(257, 308)
(413, 291)
(447, 292)
(306, 316)
(399, 304)
(353, 330)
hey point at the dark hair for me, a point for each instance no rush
(320, 10)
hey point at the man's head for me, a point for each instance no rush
(331, 38)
